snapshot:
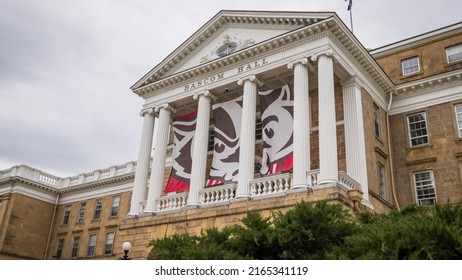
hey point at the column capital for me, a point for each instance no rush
(327, 52)
(251, 78)
(147, 111)
(205, 93)
(352, 81)
(165, 106)
(303, 61)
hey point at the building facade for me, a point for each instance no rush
(257, 111)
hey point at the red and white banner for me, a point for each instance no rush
(225, 162)
(277, 115)
(180, 174)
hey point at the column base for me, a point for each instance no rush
(241, 198)
(367, 203)
(300, 188)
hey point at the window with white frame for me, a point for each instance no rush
(425, 188)
(458, 109)
(91, 245)
(75, 246)
(410, 65)
(381, 177)
(81, 214)
(115, 205)
(67, 212)
(376, 112)
(109, 243)
(98, 207)
(454, 53)
(417, 125)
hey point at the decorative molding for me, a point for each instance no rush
(327, 52)
(205, 93)
(251, 78)
(227, 40)
(147, 111)
(381, 152)
(420, 161)
(303, 61)
(165, 106)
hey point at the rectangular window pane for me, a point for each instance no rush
(59, 249)
(381, 175)
(376, 112)
(98, 207)
(115, 206)
(81, 214)
(109, 243)
(454, 53)
(458, 108)
(425, 188)
(91, 245)
(67, 212)
(417, 129)
(75, 246)
(410, 65)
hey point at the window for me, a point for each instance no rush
(454, 53)
(417, 129)
(91, 245)
(98, 207)
(458, 109)
(425, 188)
(109, 243)
(75, 246)
(228, 49)
(59, 249)
(410, 65)
(115, 206)
(67, 212)
(81, 212)
(381, 175)
(376, 112)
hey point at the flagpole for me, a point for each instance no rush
(351, 19)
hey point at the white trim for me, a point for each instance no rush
(432, 178)
(421, 136)
(459, 127)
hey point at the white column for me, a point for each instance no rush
(247, 136)
(201, 139)
(156, 183)
(355, 144)
(328, 165)
(142, 166)
(302, 158)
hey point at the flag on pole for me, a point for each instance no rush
(350, 4)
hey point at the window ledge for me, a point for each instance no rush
(421, 146)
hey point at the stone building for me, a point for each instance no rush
(257, 111)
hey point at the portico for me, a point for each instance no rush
(314, 55)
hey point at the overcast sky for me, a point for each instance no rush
(66, 66)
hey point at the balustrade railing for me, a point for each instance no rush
(270, 185)
(171, 201)
(41, 177)
(348, 182)
(217, 194)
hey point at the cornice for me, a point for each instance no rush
(332, 27)
(426, 85)
(226, 18)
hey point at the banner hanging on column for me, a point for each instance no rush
(277, 116)
(183, 132)
(227, 127)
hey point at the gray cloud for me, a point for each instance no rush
(66, 67)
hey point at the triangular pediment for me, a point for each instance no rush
(226, 32)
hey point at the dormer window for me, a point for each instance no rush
(228, 49)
